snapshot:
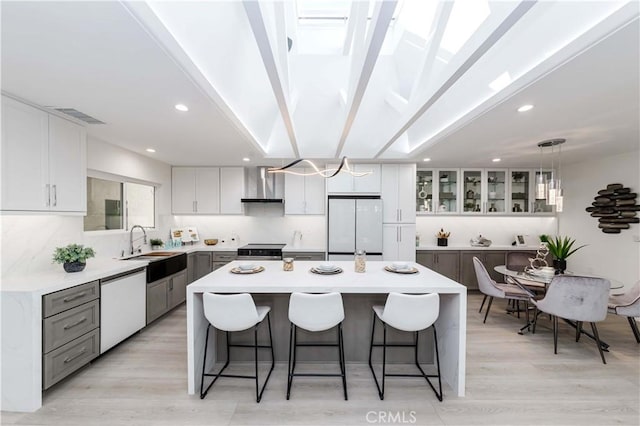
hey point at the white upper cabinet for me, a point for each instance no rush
(44, 165)
(195, 190)
(346, 183)
(303, 194)
(67, 165)
(398, 183)
(231, 190)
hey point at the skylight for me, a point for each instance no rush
(466, 17)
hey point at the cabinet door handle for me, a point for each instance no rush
(400, 211)
(71, 358)
(304, 257)
(55, 196)
(171, 285)
(48, 195)
(80, 321)
(71, 298)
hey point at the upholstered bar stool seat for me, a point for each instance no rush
(410, 313)
(229, 313)
(315, 313)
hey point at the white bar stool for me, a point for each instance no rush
(315, 312)
(412, 313)
(235, 312)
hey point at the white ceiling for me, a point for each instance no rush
(390, 94)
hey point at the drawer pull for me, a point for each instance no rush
(304, 257)
(71, 358)
(80, 321)
(77, 296)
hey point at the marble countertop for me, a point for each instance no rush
(274, 280)
(57, 279)
(471, 248)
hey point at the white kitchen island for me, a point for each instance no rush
(451, 323)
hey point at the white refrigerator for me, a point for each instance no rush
(355, 223)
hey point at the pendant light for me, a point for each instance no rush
(325, 173)
(541, 187)
(551, 188)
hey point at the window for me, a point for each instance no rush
(113, 204)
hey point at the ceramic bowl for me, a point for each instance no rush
(327, 267)
(247, 267)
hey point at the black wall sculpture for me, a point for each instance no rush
(616, 208)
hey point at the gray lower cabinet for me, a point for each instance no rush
(302, 255)
(221, 258)
(165, 294)
(199, 264)
(70, 331)
(443, 262)
(490, 259)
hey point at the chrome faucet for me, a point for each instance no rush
(131, 240)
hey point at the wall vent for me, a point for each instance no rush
(79, 115)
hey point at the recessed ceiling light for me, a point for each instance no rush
(496, 160)
(426, 159)
(246, 159)
(525, 108)
(151, 150)
(182, 107)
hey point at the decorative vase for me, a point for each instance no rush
(74, 266)
(559, 265)
(443, 242)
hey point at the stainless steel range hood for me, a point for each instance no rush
(263, 187)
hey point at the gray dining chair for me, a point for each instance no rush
(628, 305)
(492, 289)
(576, 298)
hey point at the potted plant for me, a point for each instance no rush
(560, 248)
(443, 237)
(73, 257)
(156, 243)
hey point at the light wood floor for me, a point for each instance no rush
(511, 380)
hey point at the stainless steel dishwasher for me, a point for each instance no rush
(122, 307)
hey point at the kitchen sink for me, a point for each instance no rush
(162, 264)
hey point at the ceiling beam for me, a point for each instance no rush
(151, 24)
(378, 28)
(351, 26)
(256, 20)
(439, 25)
(490, 41)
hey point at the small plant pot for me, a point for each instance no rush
(74, 266)
(156, 247)
(443, 242)
(560, 266)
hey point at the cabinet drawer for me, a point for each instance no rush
(224, 257)
(68, 325)
(70, 298)
(63, 361)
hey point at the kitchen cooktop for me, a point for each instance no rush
(264, 246)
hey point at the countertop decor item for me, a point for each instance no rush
(73, 257)
(156, 243)
(240, 270)
(615, 207)
(360, 261)
(211, 241)
(560, 248)
(443, 238)
(480, 241)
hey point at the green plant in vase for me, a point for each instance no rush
(156, 243)
(560, 249)
(73, 257)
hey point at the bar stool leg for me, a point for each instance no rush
(554, 321)
(291, 355)
(435, 341)
(342, 361)
(384, 357)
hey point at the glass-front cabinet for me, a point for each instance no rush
(521, 191)
(424, 191)
(496, 192)
(473, 191)
(479, 192)
(447, 191)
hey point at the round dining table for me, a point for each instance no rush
(530, 282)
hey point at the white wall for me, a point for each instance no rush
(28, 241)
(501, 230)
(260, 228)
(615, 256)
